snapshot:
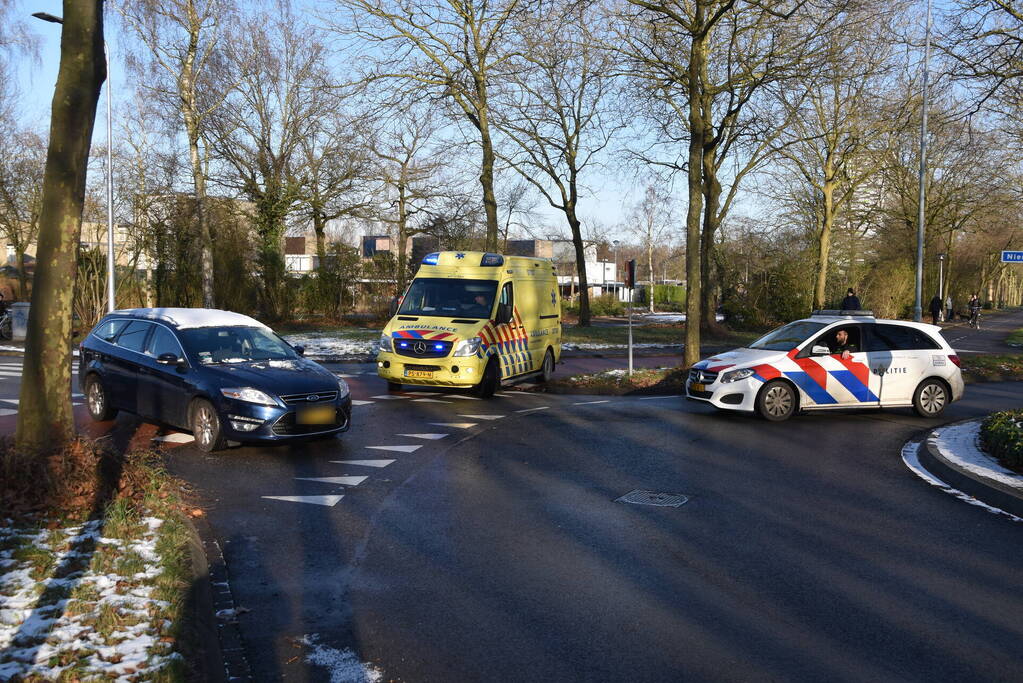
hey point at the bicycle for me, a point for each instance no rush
(5, 326)
(975, 319)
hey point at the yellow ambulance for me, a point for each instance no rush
(474, 320)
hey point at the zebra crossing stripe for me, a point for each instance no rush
(328, 501)
(432, 437)
(398, 449)
(363, 463)
(343, 481)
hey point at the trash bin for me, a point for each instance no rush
(19, 320)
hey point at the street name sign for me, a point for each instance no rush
(1012, 257)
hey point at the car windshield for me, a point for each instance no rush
(235, 344)
(788, 337)
(449, 298)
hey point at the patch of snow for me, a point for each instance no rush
(343, 666)
(332, 345)
(961, 444)
(586, 346)
(185, 318)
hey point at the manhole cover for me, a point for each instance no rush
(638, 497)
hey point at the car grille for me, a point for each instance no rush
(311, 397)
(286, 425)
(422, 348)
(702, 376)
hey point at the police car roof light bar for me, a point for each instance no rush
(847, 314)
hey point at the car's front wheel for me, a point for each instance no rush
(930, 398)
(776, 401)
(98, 401)
(205, 424)
(490, 381)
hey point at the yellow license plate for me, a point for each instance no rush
(315, 415)
(425, 374)
(697, 386)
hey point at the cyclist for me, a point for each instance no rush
(974, 307)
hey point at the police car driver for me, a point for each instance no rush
(843, 346)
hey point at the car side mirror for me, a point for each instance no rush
(300, 350)
(504, 314)
(393, 308)
(168, 359)
(819, 350)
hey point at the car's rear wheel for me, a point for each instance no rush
(205, 424)
(547, 369)
(488, 384)
(776, 401)
(97, 400)
(930, 398)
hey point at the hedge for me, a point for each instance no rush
(1001, 434)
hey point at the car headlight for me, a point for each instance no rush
(342, 388)
(736, 375)
(249, 395)
(386, 344)
(467, 347)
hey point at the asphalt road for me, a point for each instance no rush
(451, 539)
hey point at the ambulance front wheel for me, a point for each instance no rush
(547, 369)
(776, 401)
(489, 382)
(394, 386)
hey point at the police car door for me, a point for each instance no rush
(899, 354)
(835, 381)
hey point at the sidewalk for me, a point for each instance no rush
(955, 461)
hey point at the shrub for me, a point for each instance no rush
(1001, 434)
(606, 305)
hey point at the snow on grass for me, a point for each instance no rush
(343, 666)
(333, 344)
(961, 444)
(593, 346)
(75, 603)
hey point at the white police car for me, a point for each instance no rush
(891, 363)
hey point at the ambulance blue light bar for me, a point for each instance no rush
(492, 260)
(431, 259)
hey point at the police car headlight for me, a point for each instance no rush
(736, 375)
(342, 388)
(249, 395)
(386, 344)
(467, 347)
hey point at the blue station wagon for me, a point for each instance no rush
(223, 376)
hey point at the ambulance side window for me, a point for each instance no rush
(506, 294)
(506, 304)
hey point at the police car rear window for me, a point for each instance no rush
(899, 338)
(788, 337)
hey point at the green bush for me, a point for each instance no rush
(670, 295)
(606, 305)
(1002, 436)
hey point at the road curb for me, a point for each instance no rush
(983, 485)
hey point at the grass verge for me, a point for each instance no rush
(993, 368)
(665, 335)
(95, 568)
(1001, 435)
(1015, 338)
(648, 381)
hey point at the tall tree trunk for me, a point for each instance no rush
(824, 243)
(402, 240)
(201, 218)
(320, 229)
(489, 198)
(650, 261)
(45, 420)
(580, 264)
(711, 221)
(22, 275)
(697, 58)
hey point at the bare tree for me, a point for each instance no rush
(558, 112)
(651, 221)
(181, 40)
(22, 162)
(453, 49)
(44, 416)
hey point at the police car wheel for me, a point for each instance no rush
(776, 401)
(930, 398)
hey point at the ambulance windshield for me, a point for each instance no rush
(788, 337)
(450, 298)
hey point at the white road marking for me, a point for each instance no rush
(420, 393)
(428, 400)
(454, 425)
(483, 417)
(425, 436)
(522, 393)
(529, 410)
(329, 501)
(655, 398)
(502, 394)
(590, 403)
(15, 401)
(7, 411)
(346, 376)
(362, 403)
(461, 396)
(176, 437)
(344, 481)
(388, 397)
(398, 449)
(77, 395)
(363, 463)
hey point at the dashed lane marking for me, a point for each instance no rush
(7, 411)
(176, 437)
(657, 398)
(343, 481)
(461, 396)
(428, 400)
(329, 501)
(397, 449)
(388, 397)
(590, 403)
(454, 425)
(483, 417)
(425, 436)
(362, 403)
(420, 393)
(363, 463)
(530, 410)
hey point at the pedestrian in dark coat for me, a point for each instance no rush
(851, 302)
(935, 309)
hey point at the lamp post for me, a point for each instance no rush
(941, 280)
(614, 286)
(46, 16)
(917, 308)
